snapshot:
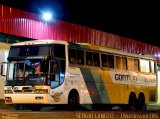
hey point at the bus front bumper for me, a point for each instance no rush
(26, 98)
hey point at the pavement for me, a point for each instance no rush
(3, 106)
(155, 106)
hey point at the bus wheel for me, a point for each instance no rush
(132, 101)
(141, 102)
(73, 101)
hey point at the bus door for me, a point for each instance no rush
(57, 73)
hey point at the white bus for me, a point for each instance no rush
(77, 74)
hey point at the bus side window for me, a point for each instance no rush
(124, 63)
(118, 62)
(152, 67)
(136, 64)
(72, 56)
(104, 60)
(80, 57)
(96, 59)
(59, 50)
(89, 58)
(144, 66)
(121, 63)
(89, 62)
(72, 60)
(133, 64)
(111, 61)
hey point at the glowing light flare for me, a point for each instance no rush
(47, 16)
(157, 55)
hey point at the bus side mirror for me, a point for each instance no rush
(3, 68)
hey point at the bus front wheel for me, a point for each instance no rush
(73, 100)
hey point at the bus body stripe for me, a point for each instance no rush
(101, 86)
(91, 86)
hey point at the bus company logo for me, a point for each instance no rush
(134, 79)
(56, 96)
(125, 78)
(150, 80)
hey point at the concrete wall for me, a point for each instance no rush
(4, 48)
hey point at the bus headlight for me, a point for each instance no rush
(8, 100)
(41, 91)
(8, 91)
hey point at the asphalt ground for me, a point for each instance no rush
(8, 112)
(154, 107)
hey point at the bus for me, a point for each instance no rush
(76, 74)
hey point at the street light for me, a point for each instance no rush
(47, 16)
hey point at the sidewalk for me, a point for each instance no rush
(4, 106)
(155, 106)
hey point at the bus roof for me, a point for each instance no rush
(85, 46)
(36, 42)
(109, 50)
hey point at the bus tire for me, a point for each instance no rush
(141, 101)
(73, 100)
(133, 101)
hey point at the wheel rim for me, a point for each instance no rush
(72, 101)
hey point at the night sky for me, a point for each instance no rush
(132, 18)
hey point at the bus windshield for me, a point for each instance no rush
(17, 51)
(30, 72)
